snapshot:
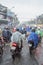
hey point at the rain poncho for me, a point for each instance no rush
(33, 37)
(16, 37)
(39, 32)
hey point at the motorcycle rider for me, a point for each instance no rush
(6, 34)
(40, 34)
(17, 38)
(33, 38)
(38, 31)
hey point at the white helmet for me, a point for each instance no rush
(38, 27)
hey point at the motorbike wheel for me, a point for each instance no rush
(30, 50)
(13, 57)
(1, 52)
(20, 49)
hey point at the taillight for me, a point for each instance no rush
(14, 44)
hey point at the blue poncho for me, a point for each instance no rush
(33, 37)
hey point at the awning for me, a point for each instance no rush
(3, 21)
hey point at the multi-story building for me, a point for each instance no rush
(7, 16)
(3, 14)
(12, 18)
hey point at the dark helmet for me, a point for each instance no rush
(33, 29)
(17, 29)
(6, 27)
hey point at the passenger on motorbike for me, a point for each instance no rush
(39, 32)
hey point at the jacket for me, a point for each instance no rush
(33, 37)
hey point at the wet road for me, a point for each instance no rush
(23, 59)
(39, 55)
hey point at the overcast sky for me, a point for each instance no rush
(25, 9)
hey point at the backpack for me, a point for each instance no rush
(4, 33)
(9, 34)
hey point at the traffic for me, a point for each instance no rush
(15, 38)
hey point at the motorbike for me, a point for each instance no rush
(15, 49)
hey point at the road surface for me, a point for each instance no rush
(23, 59)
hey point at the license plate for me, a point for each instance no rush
(13, 48)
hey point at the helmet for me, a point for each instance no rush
(17, 29)
(6, 27)
(33, 29)
(38, 27)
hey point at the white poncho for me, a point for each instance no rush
(16, 37)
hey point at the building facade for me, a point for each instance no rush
(7, 16)
(3, 14)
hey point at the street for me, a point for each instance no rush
(23, 59)
(21, 20)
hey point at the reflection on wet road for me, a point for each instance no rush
(23, 59)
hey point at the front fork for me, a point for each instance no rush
(1, 51)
